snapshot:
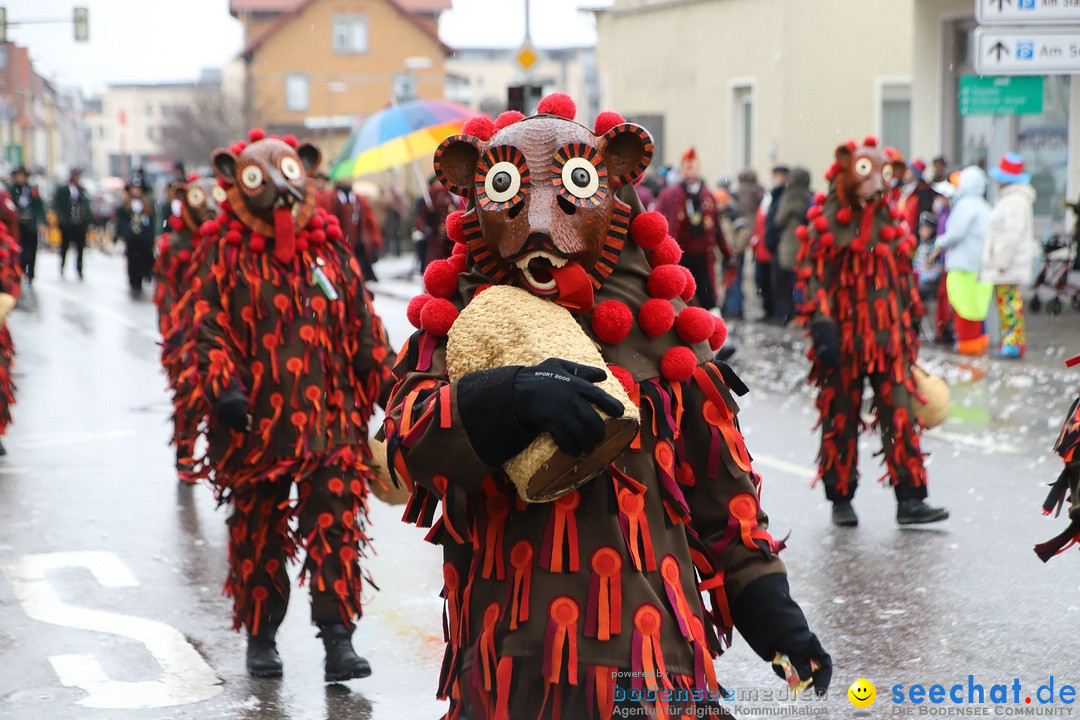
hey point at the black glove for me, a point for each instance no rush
(771, 622)
(231, 410)
(557, 397)
(826, 343)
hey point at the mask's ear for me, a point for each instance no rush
(310, 156)
(627, 149)
(224, 163)
(455, 163)
(843, 156)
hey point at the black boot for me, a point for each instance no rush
(342, 662)
(3, 450)
(912, 512)
(262, 655)
(843, 515)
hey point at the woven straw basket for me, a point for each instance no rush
(381, 484)
(508, 326)
(936, 408)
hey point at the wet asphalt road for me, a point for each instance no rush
(110, 595)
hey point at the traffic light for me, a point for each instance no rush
(81, 18)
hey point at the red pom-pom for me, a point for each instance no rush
(163, 244)
(666, 282)
(814, 212)
(290, 140)
(624, 377)
(233, 237)
(480, 127)
(317, 237)
(819, 198)
(334, 233)
(801, 233)
(656, 317)
(648, 230)
(440, 279)
(719, 334)
(607, 120)
(184, 256)
(459, 249)
(612, 321)
(896, 213)
(850, 144)
(481, 288)
(559, 104)
(454, 229)
(668, 253)
(858, 244)
(827, 240)
(257, 242)
(906, 248)
(888, 233)
(412, 311)
(507, 118)
(678, 363)
(694, 324)
(843, 216)
(237, 147)
(301, 244)
(457, 261)
(316, 222)
(256, 134)
(821, 224)
(882, 250)
(870, 141)
(690, 284)
(210, 227)
(437, 316)
(831, 172)
(176, 223)
(236, 226)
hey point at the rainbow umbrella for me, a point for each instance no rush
(399, 135)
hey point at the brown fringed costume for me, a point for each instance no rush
(1067, 448)
(283, 359)
(862, 306)
(10, 279)
(583, 605)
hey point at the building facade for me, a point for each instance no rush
(317, 68)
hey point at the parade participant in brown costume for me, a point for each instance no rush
(285, 359)
(10, 285)
(862, 305)
(587, 600)
(195, 206)
(1067, 448)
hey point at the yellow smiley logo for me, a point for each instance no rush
(862, 693)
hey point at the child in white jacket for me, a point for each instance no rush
(1010, 251)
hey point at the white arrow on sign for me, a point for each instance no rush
(1027, 51)
(1027, 12)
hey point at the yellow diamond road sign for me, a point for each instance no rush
(526, 57)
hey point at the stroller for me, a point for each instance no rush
(1056, 275)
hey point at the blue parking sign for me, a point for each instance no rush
(1027, 4)
(1025, 50)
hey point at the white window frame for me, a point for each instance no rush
(349, 34)
(297, 92)
(891, 88)
(742, 92)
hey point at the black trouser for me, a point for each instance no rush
(764, 286)
(72, 235)
(28, 238)
(700, 266)
(140, 262)
(783, 282)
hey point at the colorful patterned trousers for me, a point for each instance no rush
(1010, 307)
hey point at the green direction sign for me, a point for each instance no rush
(1001, 95)
(13, 154)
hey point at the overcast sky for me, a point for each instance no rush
(171, 40)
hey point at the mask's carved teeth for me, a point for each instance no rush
(535, 271)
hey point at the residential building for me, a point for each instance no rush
(752, 83)
(30, 115)
(316, 68)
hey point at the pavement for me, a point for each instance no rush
(111, 573)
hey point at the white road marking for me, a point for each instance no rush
(187, 678)
(972, 441)
(34, 441)
(151, 333)
(784, 466)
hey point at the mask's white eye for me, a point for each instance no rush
(290, 168)
(502, 181)
(580, 178)
(252, 177)
(219, 193)
(886, 173)
(864, 166)
(196, 197)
